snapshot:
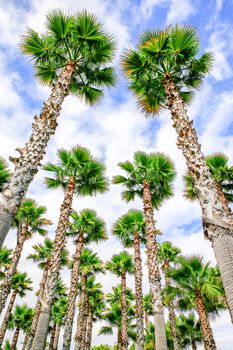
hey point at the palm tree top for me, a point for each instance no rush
(168, 253)
(121, 263)
(79, 40)
(22, 317)
(21, 283)
(127, 225)
(115, 296)
(87, 171)
(165, 54)
(90, 262)
(89, 224)
(155, 168)
(4, 172)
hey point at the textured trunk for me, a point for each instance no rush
(124, 318)
(25, 341)
(28, 163)
(37, 309)
(7, 316)
(52, 337)
(15, 339)
(193, 344)
(146, 319)
(89, 329)
(72, 295)
(119, 340)
(154, 274)
(80, 332)
(138, 293)
(39, 340)
(56, 338)
(216, 214)
(85, 315)
(208, 338)
(6, 283)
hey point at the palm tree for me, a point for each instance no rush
(41, 256)
(85, 227)
(163, 73)
(148, 308)
(73, 57)
(30, 220)
(168, 254)
(78, 173)
(122, 264)
(150, 337)
(197, 285)
(59, 310)
(90, 264)
(5, 260)
(101, 347)
(22, 319)
(130, 229)
(189, 330)
(150, 177)
(20, 284)
(4, 173)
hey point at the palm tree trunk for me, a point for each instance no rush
(56, 338)
(89, 329)
(72, 295)
(37, 309)
(154, 274)
(193, 344)
(119, 339)
(138, 292)
(7, 316)
(208, 338)
(28, 163)
(124, 318)
(15, 339)
(25, 341)
(216, 214)
(81, 316)
(146, 319)
(39, 340)
(52, 337)
(6, 283)
(85, 315)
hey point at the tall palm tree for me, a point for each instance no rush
(20, 284)
(130, 229)
(90, 264)
(4, 172)
(59, 309)
(78, 173)
(148, 307)
(150, 178)
(121, 265)
(85, 227)
(41, 256)
(22, 318)
(189, 330)
(169, 254)
(163, 72)
(73, 57)
(29, 220)
(199, 286)
(5, 260)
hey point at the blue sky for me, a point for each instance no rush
(115, 129)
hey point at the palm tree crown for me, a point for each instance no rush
(5, 260)
(120, 264)
(90, 262)
(21, 283)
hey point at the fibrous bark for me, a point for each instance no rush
(154, 274)
(216, 214)
(28, 163)
(52, 337)
(193, 344)
(7, 316)
(39, 340)
(56, 338)
(81, 322)
(15, 339)
(72, 295)
(138, 293)
(124, 318)
(89, 328)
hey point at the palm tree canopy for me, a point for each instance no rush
(127, 225)
(88, 172)
(59, 308)
(147, 304)
(161, 54)
(115, 296)
(189, 329)
(90, 263)
(121, 264)
(4, 173)
(5, 260)
(168, 253)
(88, 223)
(79, 40)
(43, 253)
(220, 171)
(155, 168)
(22, 317)
(31, 214)
(22, 283)
(60, 289)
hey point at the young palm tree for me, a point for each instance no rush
(73, 57)
(78, 173)
(169, 254)
(199, 286)
(22, 318)
(150, 177)
(85, 227)
(20, 284)
(189, 330)
(150, 337)
(4, 173)
(163, 73)
(121, 265)
(59, 309)
(90, 264)
(30, 220)
(148, 308)
(130, 229)
(41, 256)
(5, 260)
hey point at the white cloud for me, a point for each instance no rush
(180, 10)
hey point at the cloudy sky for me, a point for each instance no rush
(115, 129)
